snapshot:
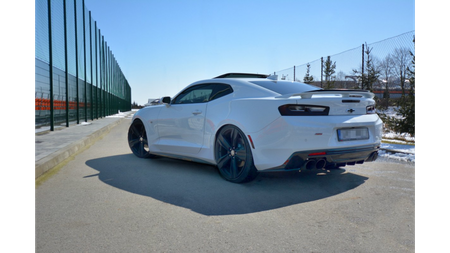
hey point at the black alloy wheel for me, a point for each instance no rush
(137, 140)
(233, 155)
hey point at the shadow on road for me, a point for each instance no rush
(200, 188)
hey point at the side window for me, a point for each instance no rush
(196, 94)
(221, 90)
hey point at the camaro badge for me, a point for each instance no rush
(350, 110)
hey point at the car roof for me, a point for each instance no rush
(245, 86)
(256, 85)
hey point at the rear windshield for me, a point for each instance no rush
(285, 87)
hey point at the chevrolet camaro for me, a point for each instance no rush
(245, 123)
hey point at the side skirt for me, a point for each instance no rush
(183, 157)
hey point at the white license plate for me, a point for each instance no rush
(352, 134)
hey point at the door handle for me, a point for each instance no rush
(196, 112)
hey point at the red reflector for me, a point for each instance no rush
(318, 153)
(251, 141)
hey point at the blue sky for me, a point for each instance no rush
(162, 46)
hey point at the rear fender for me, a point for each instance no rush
(263, 112)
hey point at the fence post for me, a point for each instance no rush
(66, 63)
(362, 68)
(100, 73)
(321, 72)
(85, 69)
(294, 74)
(92, 67)
(97, 85)
(76, 62)
(52, 124)
(103, 77)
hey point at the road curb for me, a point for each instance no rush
(47, 163)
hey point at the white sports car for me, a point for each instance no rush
(245, 123)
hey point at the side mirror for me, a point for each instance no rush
(165, 100)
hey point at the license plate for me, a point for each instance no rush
(353, 134)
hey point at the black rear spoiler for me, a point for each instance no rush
(242, 75)
(342, 93)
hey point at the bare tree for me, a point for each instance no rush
(386, 67)
(407, 111)
(402, 60)
(340, 76)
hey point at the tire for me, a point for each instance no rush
(233, 155)
(137, 140)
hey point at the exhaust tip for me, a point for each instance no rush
(320, 164)
(310, 164)
(372, 157)
(375, 156)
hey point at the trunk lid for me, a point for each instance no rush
(340, 102)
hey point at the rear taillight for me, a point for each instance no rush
(303, 110)
(370, 109)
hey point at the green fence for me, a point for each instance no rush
(77, 77)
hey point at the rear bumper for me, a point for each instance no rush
(334, 157)
(289, 137)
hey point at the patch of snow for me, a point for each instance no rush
(391, 111)
(398, 136)
(120, 115)
(410, 149)
(406, 153)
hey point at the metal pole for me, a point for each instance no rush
(294, 74)
(100, 74)
(66, 63)
(52, 124)
(104, 76)
(96, 72)
(321, 72)
(92, 71)
(76, 61)
(105, 45)
(85, 69)
(362, 68)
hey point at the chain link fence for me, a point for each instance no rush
(77, 77)
(391, 57)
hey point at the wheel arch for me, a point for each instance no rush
(222, 127)
(225, 125)
(136, 119)
(148, 117)
(243, 169)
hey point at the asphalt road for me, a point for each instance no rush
(108, 200)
